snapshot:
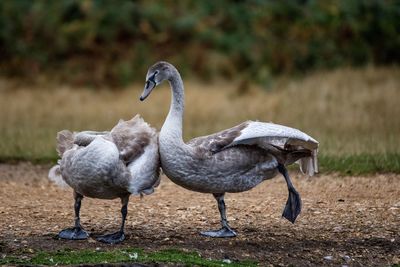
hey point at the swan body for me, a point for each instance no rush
(237, 159)
(108, 165)
(233, 160)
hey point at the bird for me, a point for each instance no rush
(107, 165)
(230, 161)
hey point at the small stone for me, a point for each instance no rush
(98, 249)
(328, 258)
(337, 229)
(228, 261)
(346, 258)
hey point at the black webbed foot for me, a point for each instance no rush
(293, 206)
(75, 233)
(113, 238)
(293, 203)
(222, 233)
(226, 230)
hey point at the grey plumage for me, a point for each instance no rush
(102, 164)
(110, 164)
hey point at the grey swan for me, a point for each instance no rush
(233, 160)
(107, 165)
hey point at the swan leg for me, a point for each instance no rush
(119, 236)
(293, 203)
(226, 230)
(76, 232)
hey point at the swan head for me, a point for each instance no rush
(156, 74)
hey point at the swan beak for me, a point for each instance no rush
(147, 89)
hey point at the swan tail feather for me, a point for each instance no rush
(309, 165)
(56, 177)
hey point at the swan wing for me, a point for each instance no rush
(285, 139)
(84, 138)
(262, 133)
(131, 137)
(216, 142)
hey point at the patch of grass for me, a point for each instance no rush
(360, 164)
(66, 257)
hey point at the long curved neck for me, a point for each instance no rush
(172, 128)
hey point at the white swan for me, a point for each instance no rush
(233, 160)
(108, 165)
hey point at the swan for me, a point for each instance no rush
(233, 160)
(107, 165)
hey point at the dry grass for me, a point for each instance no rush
(349, 111)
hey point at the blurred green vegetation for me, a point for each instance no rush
(114, 42)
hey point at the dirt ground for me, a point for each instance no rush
(352, 221)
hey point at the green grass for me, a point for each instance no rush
(360, 164)
(67, 257)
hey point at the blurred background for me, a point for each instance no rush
(114, 42)
(329, 68)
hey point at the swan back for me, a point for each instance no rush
(131, 137)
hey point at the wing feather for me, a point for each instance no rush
(216, 142)
(262, 133)
(282, 141)
(286, 138)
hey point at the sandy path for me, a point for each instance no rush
(356, 220)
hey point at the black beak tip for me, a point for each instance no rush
(141, 98)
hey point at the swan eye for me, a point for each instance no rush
(156, 72)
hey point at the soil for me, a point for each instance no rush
(352, 221)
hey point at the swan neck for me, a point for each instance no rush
(173, 122)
